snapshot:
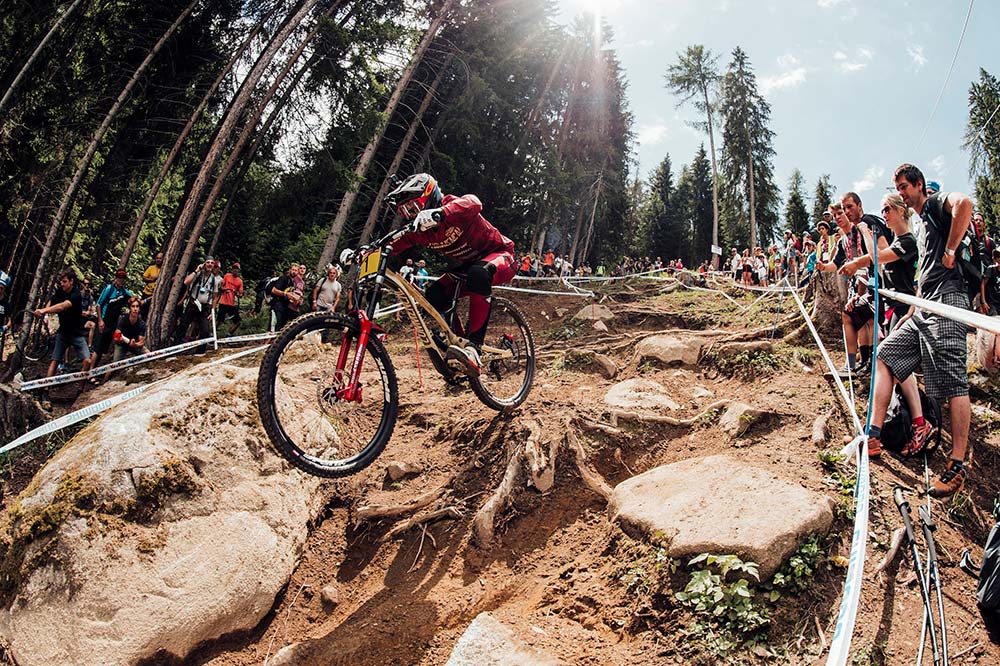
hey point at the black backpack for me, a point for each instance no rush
(898, 426)
(968, 256)
(988, 575)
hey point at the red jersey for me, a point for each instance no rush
(464, 236)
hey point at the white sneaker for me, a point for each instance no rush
(468, 357)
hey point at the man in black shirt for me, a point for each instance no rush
(130, 336)
(936, 343)
(285, 297)
(66, 303)
(989, 290)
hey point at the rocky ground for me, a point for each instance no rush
(550, 577)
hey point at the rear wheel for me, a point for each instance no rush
(297, 396)
(504, 383)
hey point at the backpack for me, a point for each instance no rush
(968, 256)
(898, 426)
(264, 294)
(988, 575)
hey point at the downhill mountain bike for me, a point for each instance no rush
(327, 391)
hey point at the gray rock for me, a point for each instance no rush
(738, 419)
(488, 642)
(400, 470)
(561, 312)
(588, 360)
(207, 526)
(600, 326)
(330, 595)
(668, 350)
(700, 393)
(722, 506)
(639, 394)
(594, 312)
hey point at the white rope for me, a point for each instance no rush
(104, 405)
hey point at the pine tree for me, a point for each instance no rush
(822, 197)
(662, 216)
(796, 213)
(699, 198)
(747, 151)
(982, 140)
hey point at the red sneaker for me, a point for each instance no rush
(918, 442)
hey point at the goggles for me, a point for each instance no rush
(410, 209)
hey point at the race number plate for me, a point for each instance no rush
(370, 264)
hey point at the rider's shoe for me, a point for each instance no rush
(467, 356)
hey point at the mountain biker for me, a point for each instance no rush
(463, 235)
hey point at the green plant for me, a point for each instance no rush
(796, 574)
(726, 606)
(749, 364)
(830, 459)
(649, 572)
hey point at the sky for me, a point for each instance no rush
(851, 83)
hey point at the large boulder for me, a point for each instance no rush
(669, 350)
(722, 506)
(594, 312)
(639, 394)
(164, 524)
(488, 642)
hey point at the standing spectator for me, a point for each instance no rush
(406, 270)
(936, 343)
(734, 264)
(326, 293)
(229, 298)
(536, 266)
(525, 268)
(299, 280)
(204, 285)
(130, 335)
(114, 297)
(422, 274)
(826, 244)
(283, 296)
(989, 290)
(149, 278)
(4, 309)
(600, 269)
(549, 265)
(810, 263)
(89, 306)
(65, 303)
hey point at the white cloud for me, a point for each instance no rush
(787, 60)
(839, 55)
(650, 135)
(872, 175)
(937, 166)
(826, 4)
(866, 53)
(852, 66)
(916, 53)
(788, 79)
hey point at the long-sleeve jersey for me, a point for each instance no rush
(464, 235)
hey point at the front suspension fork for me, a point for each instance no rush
(352, 391)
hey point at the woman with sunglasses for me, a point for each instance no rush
(898, 264)
(454, 227)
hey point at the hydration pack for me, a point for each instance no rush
(988, 575)
(898, 427)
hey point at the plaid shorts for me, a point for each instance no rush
(937, 344)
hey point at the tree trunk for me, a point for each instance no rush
(535, 112)
(234, 155)
(373, 215)
(715, 178)
(753, 201)
(369, 153)
(84, 166)
(167, 292)
(596, 189)
(154, 189)
(540, 227)
(34, 55)
(593, 215)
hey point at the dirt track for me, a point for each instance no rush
(557, 573)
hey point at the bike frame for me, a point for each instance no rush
(414, 302)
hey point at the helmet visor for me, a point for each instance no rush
(410, 209)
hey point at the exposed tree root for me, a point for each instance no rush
(894, 546)
(616, 415)
(422, 519)
(820, 429)
(377, 511)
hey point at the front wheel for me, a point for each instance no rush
(504, 381)
(299, 401)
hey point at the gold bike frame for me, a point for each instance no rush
(414, 301)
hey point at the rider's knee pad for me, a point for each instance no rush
(439, 294)
(480, 278)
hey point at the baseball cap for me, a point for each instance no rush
(933, 186)
(209, 259)
(236, 265)
(823, 223)
(121, 273)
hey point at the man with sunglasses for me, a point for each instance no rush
(454, 227)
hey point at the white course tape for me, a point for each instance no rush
(968, 317)
(104, 405)
(546, 293)
(840, 644)
(111, 367)
(247, 338)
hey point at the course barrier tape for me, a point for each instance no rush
(540, 292)
(254, 337)
(104, 405)
(110, 367)
(967, 317)
(840, 644)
